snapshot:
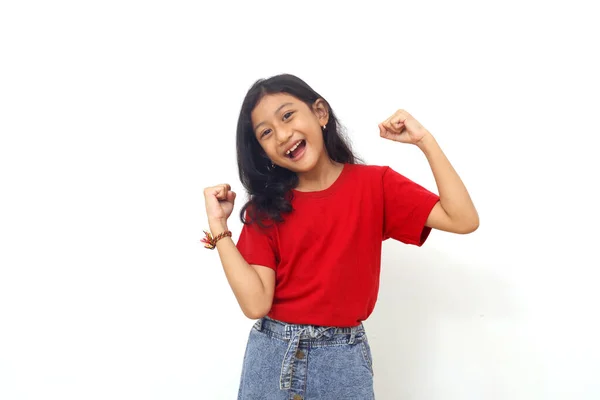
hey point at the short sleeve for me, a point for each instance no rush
(406, 208)
(257, 245)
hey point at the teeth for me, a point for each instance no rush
(293, 148)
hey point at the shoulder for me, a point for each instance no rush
(378, 176)
(370, 171)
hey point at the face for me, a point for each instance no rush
(289, 131)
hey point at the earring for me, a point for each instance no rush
(323, 127)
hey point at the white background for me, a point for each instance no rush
(115, 115)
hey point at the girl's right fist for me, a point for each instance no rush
(219, 202)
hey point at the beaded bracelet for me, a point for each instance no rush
(210, 242)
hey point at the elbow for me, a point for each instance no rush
(469, 227)
(256, 312)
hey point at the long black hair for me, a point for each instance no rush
(269, 187)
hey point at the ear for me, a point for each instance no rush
(321, 110)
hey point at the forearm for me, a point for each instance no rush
(454, 197)
(245, 282)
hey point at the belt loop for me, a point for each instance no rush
(258, 324)
(352, 335)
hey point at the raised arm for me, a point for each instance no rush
(252, 285)
(455, 211)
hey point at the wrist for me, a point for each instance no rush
(210, 240)
(426, 143)
(217, 226)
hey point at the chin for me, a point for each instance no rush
(300, 168)
(304, 168)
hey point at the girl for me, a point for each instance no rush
(306, 265)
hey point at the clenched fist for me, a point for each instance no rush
(219, 202)
(403, 127)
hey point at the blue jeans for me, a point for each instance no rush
(306, 362)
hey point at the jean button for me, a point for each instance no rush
(297, 397)
(299, 354)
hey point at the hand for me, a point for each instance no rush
(402, 127)
(219, 202)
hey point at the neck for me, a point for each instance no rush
(320, 177)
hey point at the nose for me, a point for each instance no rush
(283, 135)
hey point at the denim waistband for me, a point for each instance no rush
(294, 333)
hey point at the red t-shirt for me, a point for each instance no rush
(327, 251)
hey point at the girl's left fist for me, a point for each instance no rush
(402, 127)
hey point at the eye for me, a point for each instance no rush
(265, 132)
(287, 115)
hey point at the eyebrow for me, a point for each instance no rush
(276, 111)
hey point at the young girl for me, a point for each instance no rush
(307, 261)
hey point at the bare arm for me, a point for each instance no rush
(252, 285)
(455, 211)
